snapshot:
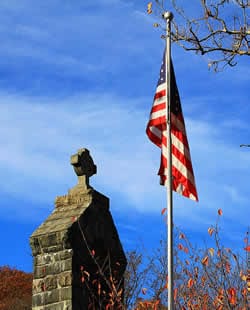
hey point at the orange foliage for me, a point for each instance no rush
(205, 261)
(232, 295)
(220, 212)
(15, 289)
(149, 305)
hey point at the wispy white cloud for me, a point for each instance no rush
(39, 135)
(76, 37)
(112, 41)
(234, 194)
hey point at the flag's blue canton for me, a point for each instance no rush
(175, 99)
(162, 78)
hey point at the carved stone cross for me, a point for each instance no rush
(84, 167)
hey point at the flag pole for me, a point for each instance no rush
(168, 16)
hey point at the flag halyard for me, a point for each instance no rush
(183, 180)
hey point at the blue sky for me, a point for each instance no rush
(83, 74)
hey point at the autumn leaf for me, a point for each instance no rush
(203, 280)
(149, 8)
(243, 277)
(232, 296)
(190, 283)
(175, 293)
(99, 288)
(205, 261)
(180, 246)
(210, 230)
(163, 211)
(87, 274)
(228, 267)
(211, 251)
(144, 291)
(220, 212)
(247, 248)
(196, 271)
(244, 292)
(181, 236)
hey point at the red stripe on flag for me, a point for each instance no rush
(182, 170)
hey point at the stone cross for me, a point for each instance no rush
(84, 167)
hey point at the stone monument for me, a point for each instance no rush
(78, 258)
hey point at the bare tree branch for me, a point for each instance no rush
(221, 28)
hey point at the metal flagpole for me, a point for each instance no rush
(168, 16)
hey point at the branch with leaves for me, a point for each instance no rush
(206, 278)
(220, 28)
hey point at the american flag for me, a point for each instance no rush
(183, 181)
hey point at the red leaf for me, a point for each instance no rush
(244, 292)
(232, 295)
(228, 267)
(181, 236)
(190, 283)
(220, 212)
(180, 246)
(175, 293)
(163, 211)
(247, 248)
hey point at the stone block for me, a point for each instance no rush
(65, 293)
(37, 300)
(65, 254)
(51, 296)
(39, 272)
(66, 265)
(65, 279)
(38, 286)
(50, 283)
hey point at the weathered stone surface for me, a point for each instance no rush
(64, 305)
(65, 279)
(66, 293)
(38, 300)
(81, 222)
(51, 297)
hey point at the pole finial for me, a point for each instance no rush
(168, 15)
